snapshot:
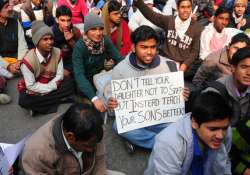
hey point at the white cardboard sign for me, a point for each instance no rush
(148, 100)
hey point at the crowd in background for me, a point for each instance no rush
(68, 51)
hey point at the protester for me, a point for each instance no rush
(144, 60)
(215, 36)
(239, 18)
(88, 58)
(33, 10)
(115, 27)
(237, 85)
(196, 144)
(182, 42)
(42, 86)
(66, 36)
(13, 46)
(79, 11)
(217, 64)
(69, 144)
(203, 14)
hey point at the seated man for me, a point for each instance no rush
(215, 36)
(88, 58)
(42, 86)
(142, 61)
(217, 64)
(13, 46)
(182, 38)
(79, 11)
(239, 18)
(115, 27)
(66, 37)
(196, 144)
(237, 85)
(69, 144)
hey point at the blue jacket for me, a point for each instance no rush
(173, 152)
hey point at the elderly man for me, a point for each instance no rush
(70, 144)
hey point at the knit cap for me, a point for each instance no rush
(2, 3)
(92, 21)
(38, 30)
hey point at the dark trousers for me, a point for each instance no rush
(47, 103)
(2, 84)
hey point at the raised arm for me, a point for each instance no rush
(156, 18)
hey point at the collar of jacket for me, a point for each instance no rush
(58, 137)
(155, 62)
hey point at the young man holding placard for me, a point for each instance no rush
(142, 61)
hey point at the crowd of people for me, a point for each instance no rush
(68, 51)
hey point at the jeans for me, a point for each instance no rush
(143, 137)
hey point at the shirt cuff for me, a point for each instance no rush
(94, 98)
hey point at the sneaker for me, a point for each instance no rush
(4, 99)
(129, 147)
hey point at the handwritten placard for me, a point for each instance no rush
(148, 100)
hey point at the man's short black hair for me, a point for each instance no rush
(84, 121)
(143, 33)
(222, 10)
(114, 5)
(63, 11)
(240, 55)
(179, 2)
(210, 106)
(240, 37)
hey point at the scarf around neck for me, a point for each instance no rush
(181, 27)
(237, 19)
(218, 40)
(93, 47)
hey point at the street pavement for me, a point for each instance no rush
(16, 123)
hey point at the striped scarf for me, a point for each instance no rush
(93, 47)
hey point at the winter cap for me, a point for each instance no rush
(244, 2)
(148, 1)
(38, 30)
(2, 3)
(92, 21)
